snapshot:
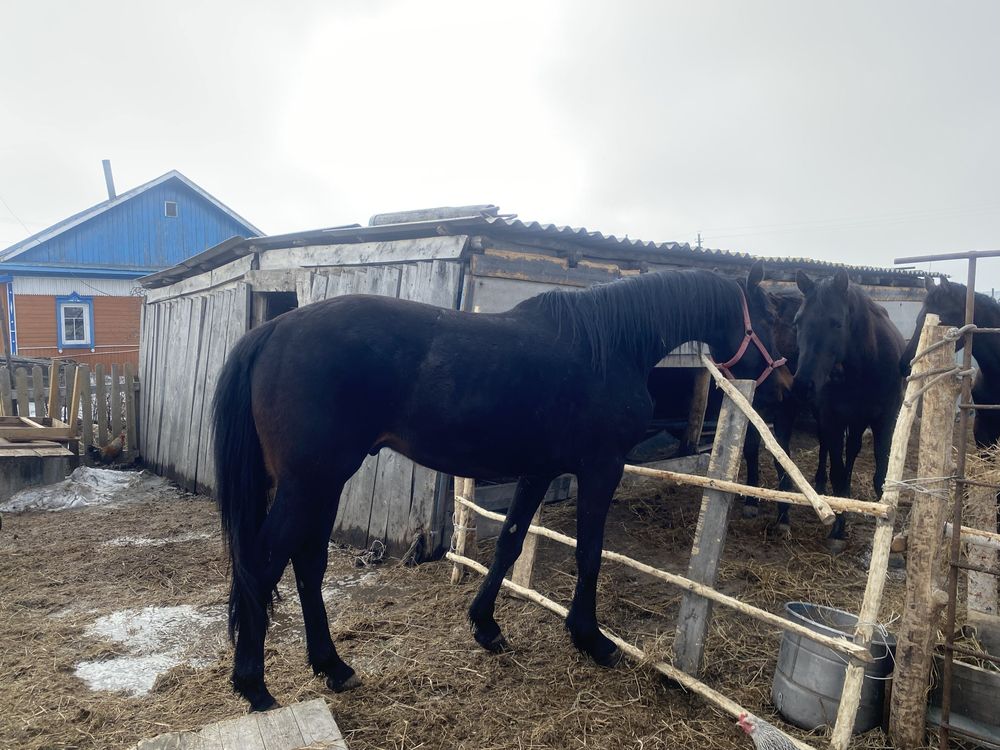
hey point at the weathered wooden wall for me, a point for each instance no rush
(184, 342)
(186, 339)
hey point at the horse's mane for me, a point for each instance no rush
(985, 304)
(645, 316)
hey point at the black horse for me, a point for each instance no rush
(848, 369)
(947, 301)
(555, 385)
(776, 405)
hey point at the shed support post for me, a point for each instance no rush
(464, 533)
(710, 534)
(696, 414)
(926, 558)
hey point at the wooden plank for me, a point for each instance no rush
(522, 266)
(101, 410)
(317, 725)
(130, 408)
(391, 500)
(217, 322)
(86, 405)
(241, 734)
(203, 282)
(116, 396)
(926, 559)
(73, 399)
(183, 393)
(196, 400)
(6, 402)
(21, 388)
(276, 280)
(524, 567)
(355, 511)
(279, 730)
(710, 534)
(38, 391)
(53, 409)
(365, 253)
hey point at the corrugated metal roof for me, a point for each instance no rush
(502, 225)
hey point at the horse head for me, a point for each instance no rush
(947, 301)
(757, 356)
(823, 331)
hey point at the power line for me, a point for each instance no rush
(15, 216)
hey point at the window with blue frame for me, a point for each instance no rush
(75, 322)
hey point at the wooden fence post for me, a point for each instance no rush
(53, 411)
(73, 377)
(525, 564)
(710, 533)
(101, 394)
(21, 387)
(86, 404)
(850, 696)
(926, 555)
(6, 402)
(116, 401)
(465, 523)
(130, 405)
(37, 391)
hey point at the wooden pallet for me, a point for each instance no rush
(301, 726)
(22, 429)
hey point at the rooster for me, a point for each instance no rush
(109, 453)
(764, 736)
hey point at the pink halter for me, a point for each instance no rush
(772, 364)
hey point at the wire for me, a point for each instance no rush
(15, 215)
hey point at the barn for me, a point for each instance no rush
(472, 258)
(69, 291)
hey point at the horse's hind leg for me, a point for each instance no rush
(596, 490)
(309, 563)
(527, 497)
(280, 536)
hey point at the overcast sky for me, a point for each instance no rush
(849, 131)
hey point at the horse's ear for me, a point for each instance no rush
(944, 282)
(804, 283)
(841, 281)
(756, 275)
(929, 283)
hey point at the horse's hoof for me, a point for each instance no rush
(836, 546)
(750, 511)
(264, 705)
(609, 660)
(495, 645)
(353, 681)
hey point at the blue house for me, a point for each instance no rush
(70, 289)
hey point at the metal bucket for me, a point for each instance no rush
(810, 677)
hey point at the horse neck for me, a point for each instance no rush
(863, 348)
(643, 318)
(986, 347)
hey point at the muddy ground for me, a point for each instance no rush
(99, 600)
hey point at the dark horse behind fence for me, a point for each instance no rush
(848, 369)
(555, 385)
(947, 301)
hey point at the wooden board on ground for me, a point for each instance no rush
(296, 727)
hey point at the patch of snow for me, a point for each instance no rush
(144, 541)
(331, 589)
(157, 638)
(86, 486)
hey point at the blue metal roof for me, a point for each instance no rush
(134, 230)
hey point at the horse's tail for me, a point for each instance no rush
(241, 480)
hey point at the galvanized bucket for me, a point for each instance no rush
(810, 677)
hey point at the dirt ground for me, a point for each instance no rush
(64, 576)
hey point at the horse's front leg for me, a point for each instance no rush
(527, 497)
(834, 442)
(751, 454)
(596, 488)
(783, 426)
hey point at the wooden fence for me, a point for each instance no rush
(695, 612)
(42, 397)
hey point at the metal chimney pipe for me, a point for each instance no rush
(106, 163)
